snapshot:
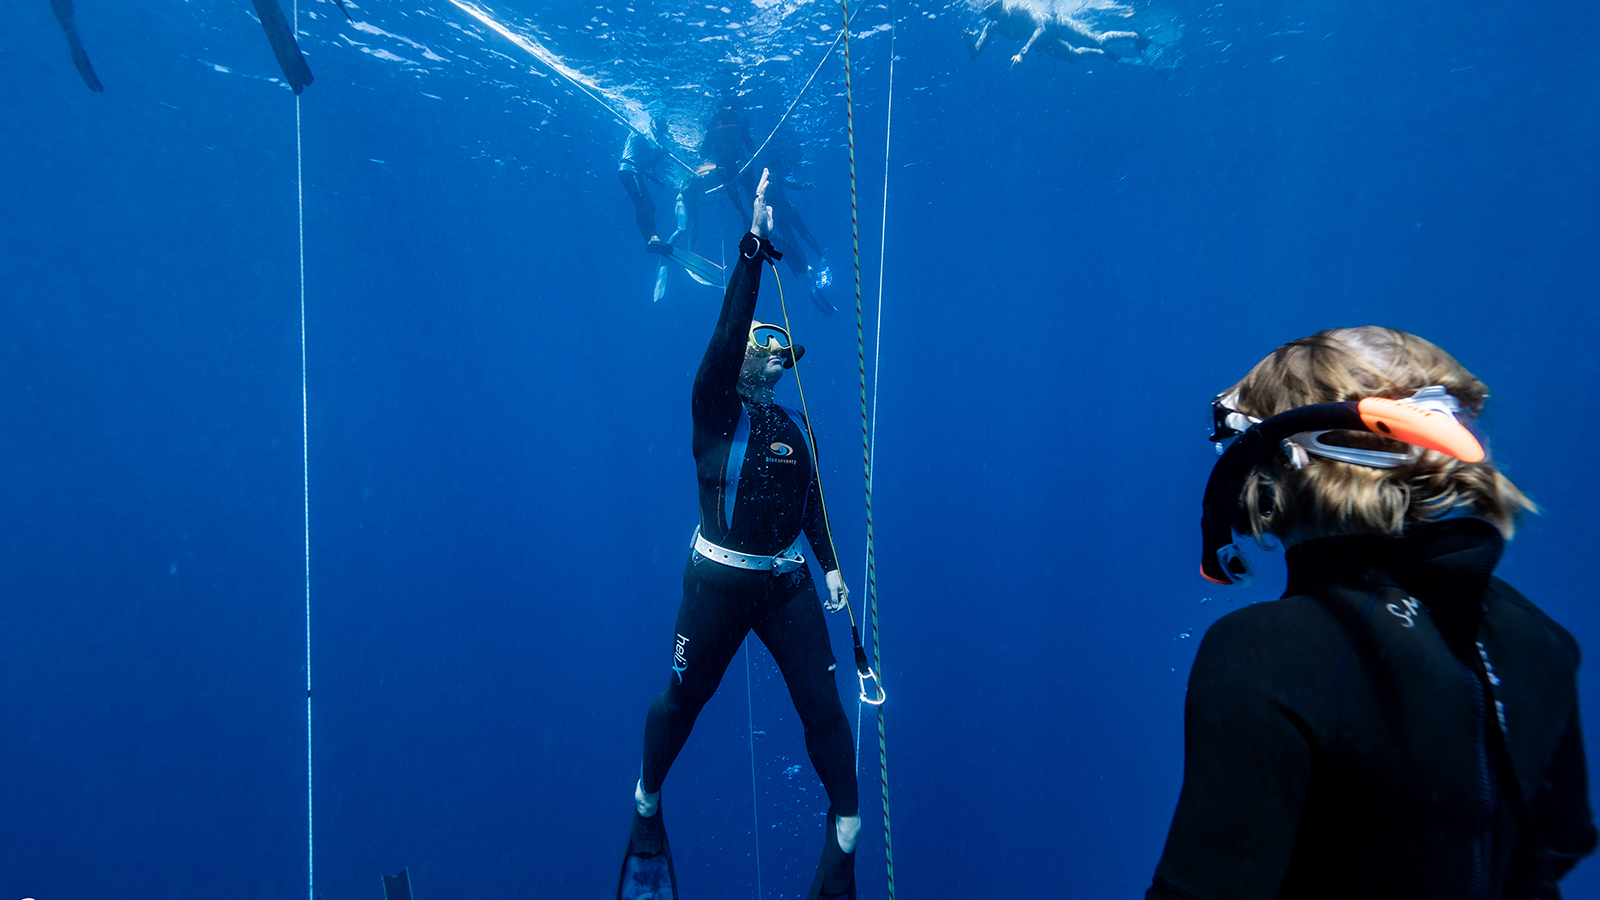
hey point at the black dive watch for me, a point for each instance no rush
(752, 246)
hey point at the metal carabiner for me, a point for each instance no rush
(872, 676)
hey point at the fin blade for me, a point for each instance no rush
(284, 47)
(699, 268)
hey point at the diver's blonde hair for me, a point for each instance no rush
(1328, 497)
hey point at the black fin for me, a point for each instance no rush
(80, 57)
(836, 871)
(344, 10)
(647, 864)
(281, 37)
(397, 887)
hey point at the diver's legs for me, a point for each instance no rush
(644, 208)
(1065, 51)
(681, 215)
(797, 636)
(712, 623)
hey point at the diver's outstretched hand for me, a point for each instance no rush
(838, 594)
(761, 222)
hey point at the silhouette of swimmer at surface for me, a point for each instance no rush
(1060, 36)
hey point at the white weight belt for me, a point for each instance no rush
(782, 563)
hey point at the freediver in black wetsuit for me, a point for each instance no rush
(1400, 724)
(728, 145)
(758, 492)
(640, 156)
(785, 163)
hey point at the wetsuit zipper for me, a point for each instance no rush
(1486, 788)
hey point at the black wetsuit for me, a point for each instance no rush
(727, 140)
(639, 158)
(758, 492)
(1343, 742)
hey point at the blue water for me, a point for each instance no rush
(501, 495)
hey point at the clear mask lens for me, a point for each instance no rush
(769, 338)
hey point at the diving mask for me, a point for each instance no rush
(774, 339)
(1229, 423)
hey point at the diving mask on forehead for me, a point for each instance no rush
(1229, 423)
(1430, 419)
(774, 339)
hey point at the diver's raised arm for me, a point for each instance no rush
(715, 399)
(761, 213)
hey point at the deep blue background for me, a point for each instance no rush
(1078, 257)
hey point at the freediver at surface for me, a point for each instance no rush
(757, 492)
(784, 165)
(1400, 724)
(1063, 37)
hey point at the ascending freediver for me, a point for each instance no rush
(758, 492)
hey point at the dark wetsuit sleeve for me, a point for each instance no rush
(715, 400)
(1561, 808)
(816, 527)
(1245, 771)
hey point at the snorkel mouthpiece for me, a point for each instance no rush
(1221, 560)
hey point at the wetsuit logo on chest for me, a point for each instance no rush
(680, 660)
(1406, 610)
(781, 452)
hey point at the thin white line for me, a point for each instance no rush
(883, 244)
(859, 704)
(750, 709)
(305, 469)
(796, 102)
